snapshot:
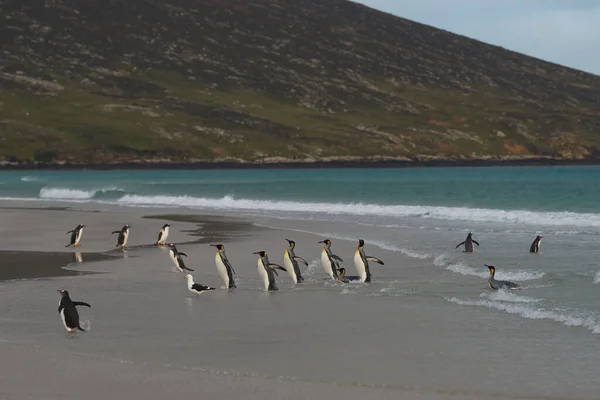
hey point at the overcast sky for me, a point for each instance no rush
(562, 31)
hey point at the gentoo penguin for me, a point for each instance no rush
(267, 270)
(76, 236)
(290, 260)
(68, 311)
(468, 243)
(196, 288)
(535, 246)
(342, 278)
(123, 236)
(176, 258)
(329, 261)
(361, 262)
(224, 267)
(494, 284)
(163, 234)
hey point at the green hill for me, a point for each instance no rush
(269, 80)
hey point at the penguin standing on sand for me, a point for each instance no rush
(163, 234)
(329, 261)
(290, 260)
(196, 288)
(224, 267)
(68, 311)
(468, 243)
(123, 236)
(495, 284)
(76, 236)
(267, 271)
(176, 258)
(361, 262)
(535, 246)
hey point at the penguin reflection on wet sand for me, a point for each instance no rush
(468, 243)
(267, 270)
(176, 258)
(290, 260)
(224, 267)
(67, 309)
(76, 235)
(361, 262)
(123, 236)
(535, 246)
(329, 261)
(495, 284)
(163, 234)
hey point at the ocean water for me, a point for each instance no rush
(420, 213)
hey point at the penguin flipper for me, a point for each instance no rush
(60, 308)
(476, 242)
(80, 328)
(336, 258)
(81, 303)
(68, 244)
(189, 269)
(301, 259)
(277, 266)
(460, 244)
(70, 232)
(228, 265)
(115, 232)
(182, 254)
(374, 259)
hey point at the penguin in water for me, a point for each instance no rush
(495, 284)
(163, 234)
(290, 260)
(361, 262)
(224, 267)
(535, 246)
(67, 309)
(76, 235)
(329, 261)
(123, 236)
(176, 258)
(267, 270)
(468, 243)
(342, 278)
(196, 288)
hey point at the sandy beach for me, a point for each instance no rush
(148, 336)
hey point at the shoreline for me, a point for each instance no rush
(366, 164)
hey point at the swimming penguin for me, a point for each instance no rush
(329, 261)
(494, 284)
(468, 243)
(224, 267)
(196, 288)
(123, 236)
(535, 246)
(267, 270)
(342, 278)
(176, 258)
(68, 311)
(163, 234)
(290, 260)
(76, 236)
(361, 262)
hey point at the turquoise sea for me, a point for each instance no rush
(421, 213)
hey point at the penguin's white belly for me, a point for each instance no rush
(125, 237)
(289, 265)
(360, 266)
(174, 259)
(222, 270)
(62, 317)
(326, 263)
(165, 235)
(78, 236)
(263, 275)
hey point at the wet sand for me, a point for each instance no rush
(149, 337)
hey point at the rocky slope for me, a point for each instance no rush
(270, 80)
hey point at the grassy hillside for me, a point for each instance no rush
(268, 80)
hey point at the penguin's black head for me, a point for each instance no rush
(166, 225)
(218, 246)
(127, 226)
(80, 225)
(470, 234)
(172, 245)
(326, 241)
(63, 293)
(341, 271)
(361, 243)
(538, 237)
(261, 253)
(291, 242)
(491, 268)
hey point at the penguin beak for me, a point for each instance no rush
(213, 245)
(322, 241)
(256, 252)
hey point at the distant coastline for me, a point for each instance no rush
(391, 163)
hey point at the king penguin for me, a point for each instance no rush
(76, 236)
(163, 234)
(123, 236)
(177, 259)
(342, 278)
(224, 267)
(267, 271)
(535, 246)
(290, 260)
(468, 243)
(495, 284)
(68, 311)
(329, 261)
(361, 262)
